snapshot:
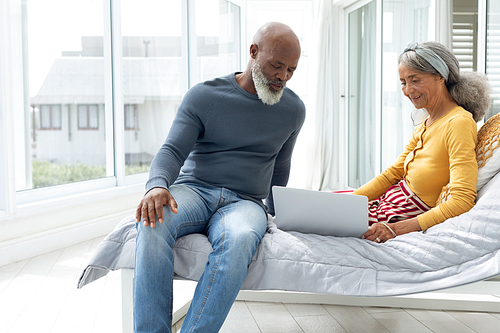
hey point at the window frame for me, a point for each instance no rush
(344, 119)
(88, 117)
(13, 75)
(9, 72)
(51, 118)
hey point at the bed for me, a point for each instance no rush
(462, 253)
(458, 251)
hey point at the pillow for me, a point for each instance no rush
(445, 194)
(487, 156)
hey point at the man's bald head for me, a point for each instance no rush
(274, 34)
(274, 55)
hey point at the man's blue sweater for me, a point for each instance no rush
(225, 136)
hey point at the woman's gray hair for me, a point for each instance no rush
(470, 90)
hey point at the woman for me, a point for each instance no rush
(440, 152)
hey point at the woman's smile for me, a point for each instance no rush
(415, 99)
(423, 89)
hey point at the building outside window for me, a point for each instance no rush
(79, 93)
(53, 75)
(84, 98)
(160, 61)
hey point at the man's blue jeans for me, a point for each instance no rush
(234, 226)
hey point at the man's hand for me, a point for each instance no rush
(151, 206)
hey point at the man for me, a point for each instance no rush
(233, 137)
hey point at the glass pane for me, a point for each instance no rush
(65, 61)
(397, 125)
(493, 54)
(45, 116)
(300, 17)
(93, 116)
(82, 116)
(56, 116)
(362, 141)
(152, 74)
(217, 50)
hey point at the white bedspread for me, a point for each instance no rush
(458, 251)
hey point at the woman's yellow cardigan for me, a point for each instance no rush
(436, 155)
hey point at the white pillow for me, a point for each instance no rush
(487, 156)
(487, 152)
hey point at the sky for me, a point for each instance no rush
(55, 26)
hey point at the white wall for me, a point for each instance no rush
(53, 224)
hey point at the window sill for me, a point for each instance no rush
(46, 225)
(25, 208)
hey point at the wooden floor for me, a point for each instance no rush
(276, 317)
(39, 295)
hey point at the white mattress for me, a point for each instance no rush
(458, 251)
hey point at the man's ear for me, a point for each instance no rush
(254, 49)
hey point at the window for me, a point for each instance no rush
(379, 123)
(465, 29)
(50, 117)
(155, 59)
(362, 112)
(64, 87)
(216, 47)
(88, 117)
(154, 77)
(300, 17)
(419, 25)
(76, 95)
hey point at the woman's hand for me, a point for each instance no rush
(382, 232)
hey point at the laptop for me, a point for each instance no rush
(323, 213)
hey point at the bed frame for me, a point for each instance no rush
(482, 296)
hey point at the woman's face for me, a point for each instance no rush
(423, 89)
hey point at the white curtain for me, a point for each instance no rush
(324, 160)
(326, 163)
(444, 22)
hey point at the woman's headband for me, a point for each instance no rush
(431, 57)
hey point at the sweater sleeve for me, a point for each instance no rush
(392, 175)
(460, 141)
(283, 162)
(181, 138)
(281, 172)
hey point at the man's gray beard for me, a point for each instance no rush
(264, 91)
